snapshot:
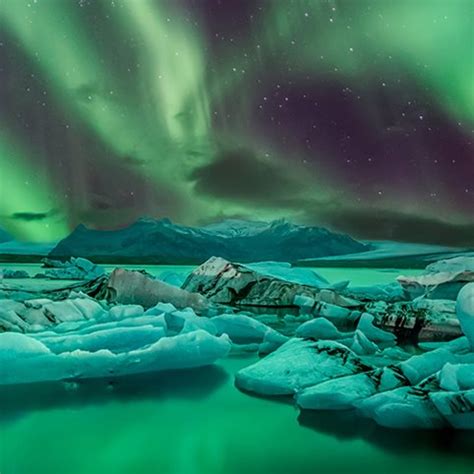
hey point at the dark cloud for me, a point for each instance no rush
(391, 225)
(241, 175)
(31, 216)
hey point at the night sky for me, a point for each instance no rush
(356, 115)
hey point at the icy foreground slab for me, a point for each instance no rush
(297, 364)
(456, 407)
(80, 338)
(344, 393)
(24, 359)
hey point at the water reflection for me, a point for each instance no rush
(191, 384)
(348, 425)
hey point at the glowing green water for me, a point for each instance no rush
(357, 276)
(197, 422)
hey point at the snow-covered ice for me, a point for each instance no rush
(297, 364)
(29, 360)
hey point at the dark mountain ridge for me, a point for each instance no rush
(161, 241)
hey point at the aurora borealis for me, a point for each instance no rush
(355, 115)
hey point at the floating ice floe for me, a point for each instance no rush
(33, 315)
(133, 287)
(297, 364)
(345, 392)
(390, 293)
(244, 330)
(419, 320)
(440, 280)
(367, 327)
(24, 359)
(9, 273)
(319, 328)
(74, 269)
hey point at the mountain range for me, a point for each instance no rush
(161, 241)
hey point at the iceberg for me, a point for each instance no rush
(362, 345)
(133, 287)
(297, 364)
(456, 407)
(74, 269)
(234, 284)
(34, 315)
(403, 408)
(440, 280)
(373, 333)
(8, 273)
(243, 329)
(346, 392)
(456, 377)
(27, 360)
(416, 321)
(319, 328)
(465, 311)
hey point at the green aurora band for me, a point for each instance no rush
(169, 110)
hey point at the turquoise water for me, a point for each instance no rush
(197, 422)
(357, 276)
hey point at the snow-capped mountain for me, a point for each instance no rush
(161, 241)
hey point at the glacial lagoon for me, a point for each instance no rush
(196, 421)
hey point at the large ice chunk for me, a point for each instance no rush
(297, 364)
(345, 392)
(362, 345)
(456, 407)
(341, 393)
(243, 329)
(372, 332)
(14, 345)
(230, 283)
(285, 271)
(442, 279)
(131, 287)
(465, 311)
(187, 320)
(403, 408)
(75, 269)
(34, 314)
(319, 328)
(187, 350)
(456, 377)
